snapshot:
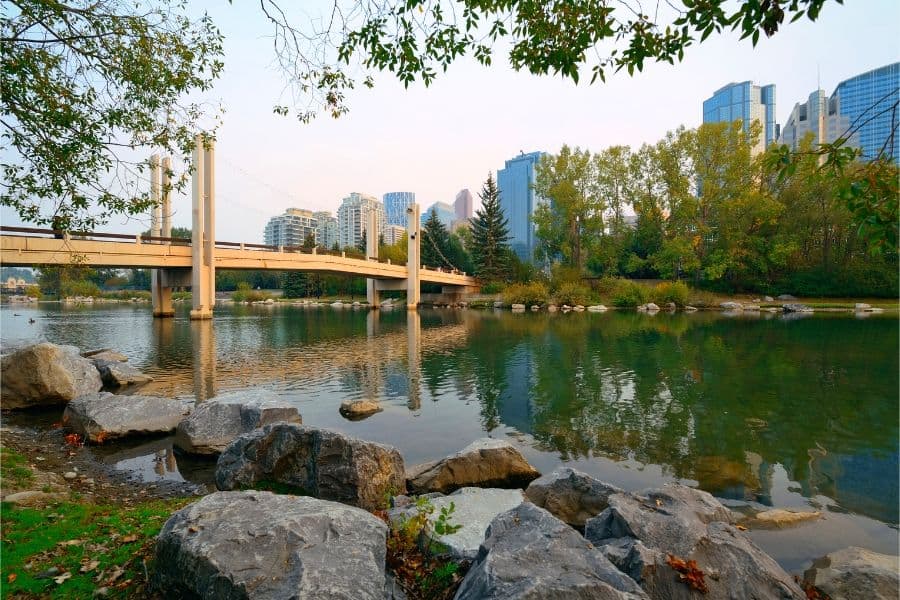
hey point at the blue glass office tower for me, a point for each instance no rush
(748, 103)
(518, 201)
(395, 204)
(445, 214)
(869, 101)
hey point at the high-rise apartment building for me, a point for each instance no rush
(463, 205)
(869, 101)
(393, 234)
(748, 103)
(445, 214)
(291, 228)
(395, 205)
(326, 229)
(518, 201)
(818, 116)
(352, 217)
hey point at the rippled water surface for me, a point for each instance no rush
(785, 412)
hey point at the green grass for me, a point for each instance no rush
(74, 536)
(14, 471)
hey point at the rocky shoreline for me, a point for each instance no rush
(507, 530)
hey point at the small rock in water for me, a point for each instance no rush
(359, 409)
(70, 475)
(784, 518)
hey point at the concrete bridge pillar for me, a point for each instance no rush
(413, 260)
(373, 296)
(161, 225)
(202, 242)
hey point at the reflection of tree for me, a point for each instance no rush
(706, 398)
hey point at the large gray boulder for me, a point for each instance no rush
(323, 463)
(119, 374)
(215, 423)
(239, 545)
(105, 416)
(856, 573)
(571, 495)
(529, 553)
(483, 463)
(638, 532)
(473, 511)
(45, 374)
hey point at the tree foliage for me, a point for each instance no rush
(489, 232)
(417, 39)
(84, 85)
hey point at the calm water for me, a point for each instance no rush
(784, 412)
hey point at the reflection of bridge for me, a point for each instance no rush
(365, 356)
(177, 262)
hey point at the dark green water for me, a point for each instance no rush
(785, 412)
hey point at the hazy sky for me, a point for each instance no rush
(435, 141)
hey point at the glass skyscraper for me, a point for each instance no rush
(748, 103)
(869, 101)
(518, 201)
(444, 211)
(395, 204)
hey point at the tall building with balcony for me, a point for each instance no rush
(818, 116)
(869, 102)
(290, 228)
(519, 201)
(393, 234)
(352, 217)
(748, 103)
(445, 214)
(395, 205)
(326, 229)
(462, 206)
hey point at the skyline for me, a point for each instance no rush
(436, 141)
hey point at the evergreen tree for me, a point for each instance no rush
(361, 246)
(309, 242)
(490, 235)
(435, 242)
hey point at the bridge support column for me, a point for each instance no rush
(413, 260)
(160, 225)
(373, 296)
(200, 263)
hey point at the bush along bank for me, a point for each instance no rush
(480, 523)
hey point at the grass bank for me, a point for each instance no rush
(73, 548)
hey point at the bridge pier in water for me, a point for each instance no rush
(161, 226)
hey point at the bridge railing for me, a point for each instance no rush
(179, 241)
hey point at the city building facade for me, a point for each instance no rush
(748, 103)
(326, 229)
(395, 205)
(818, 116)
(462, 206)
(518, 200)
(352, 217)
(393, 234)
(869, 102)
(290, 228)
(445, 214)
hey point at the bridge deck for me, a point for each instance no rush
(30, 250)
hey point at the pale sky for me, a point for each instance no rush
(435, 141)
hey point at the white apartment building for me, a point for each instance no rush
(352, 217)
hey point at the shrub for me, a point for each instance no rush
(671, 291)
(703, 299)
(572, 294)
(526, 293)
(245, 293)
(492, 287)
(78, 288)
(629, 293)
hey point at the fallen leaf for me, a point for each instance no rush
(192, 529)
(11, 577)
(129, 538)
(688, 573)
(62, 578)
(89, 566)
(741, 527)
(72, 543)
(117, 572)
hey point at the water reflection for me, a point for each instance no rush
(725, 402)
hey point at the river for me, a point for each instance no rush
(787, 412)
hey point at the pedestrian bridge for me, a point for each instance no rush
(24, 246)
(177, 262)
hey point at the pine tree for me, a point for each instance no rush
(490, 235)
(435, 242)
